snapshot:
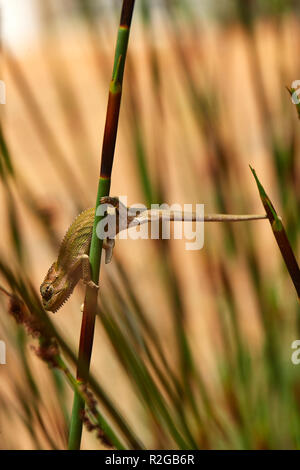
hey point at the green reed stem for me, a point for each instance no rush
(108, 148)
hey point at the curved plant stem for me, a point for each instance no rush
(280, 236)
(108, 148)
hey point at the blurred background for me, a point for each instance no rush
(192, 348)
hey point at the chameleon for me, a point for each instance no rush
(73, 263)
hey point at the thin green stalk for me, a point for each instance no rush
(150, 394)
(108, 148)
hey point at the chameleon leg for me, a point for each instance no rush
(108, 246)
(86, 271)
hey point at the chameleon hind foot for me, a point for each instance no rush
(86, 272)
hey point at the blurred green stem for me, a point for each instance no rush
(101, 422)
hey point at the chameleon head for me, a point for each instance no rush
(55, 289)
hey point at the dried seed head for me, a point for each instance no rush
(47, 352)
(21, 314)
(95, 427)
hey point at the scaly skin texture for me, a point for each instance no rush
(72, 263)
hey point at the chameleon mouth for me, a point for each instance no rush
(56, 303)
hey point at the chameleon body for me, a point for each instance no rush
(73, 263)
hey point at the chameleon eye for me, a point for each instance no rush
(47, 292)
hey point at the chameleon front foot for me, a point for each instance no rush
(116, 203)
(113, 201)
